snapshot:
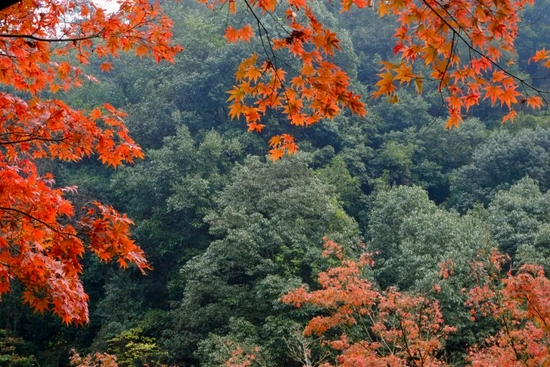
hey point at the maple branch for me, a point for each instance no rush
(49, 226)
(261, 26)
(442, 81)
(52, 40)
(390, 349)
(536, 309)
(300, 350)
(512, 343)
(273, 59)
(365, 327)
(404, 334)
(31, 139)
(481, 54)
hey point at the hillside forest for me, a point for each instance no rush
(386, 240)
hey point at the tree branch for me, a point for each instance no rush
(52, 227)
(40, 39)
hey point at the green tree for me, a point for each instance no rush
(13, 353)
(171, 192)
(520, 221)
(347, 187)
(269, 221)
(419, 246)
(133, 349)
(500, 162)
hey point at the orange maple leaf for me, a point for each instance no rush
(508, 96)
(236, 35)
(275, 141)
(540, 55)
(385, 84)
(232, 7)
(534, 102)
(510, 116)
(276, 153)
(493, 92)
(106, 66)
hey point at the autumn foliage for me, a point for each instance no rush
(520, 304)
(366, 326)
(319, 90)
(239, 358)
(42, 236)
(465, 46)
(95, 360)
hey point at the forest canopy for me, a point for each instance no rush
(416, 234)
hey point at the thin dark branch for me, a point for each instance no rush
(261, 26)
(49, 226)
(12, 142)
(53, 40)
(449, 60)
(458, 33)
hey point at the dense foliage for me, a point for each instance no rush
(410, 213)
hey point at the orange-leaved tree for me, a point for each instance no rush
(520, 304)
(366, 326)
(95, 360)
(465, 46)
(42, 236)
